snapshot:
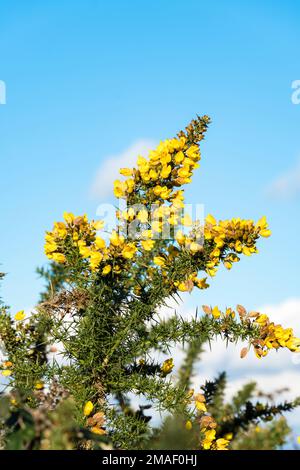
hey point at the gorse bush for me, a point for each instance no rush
(73, 366)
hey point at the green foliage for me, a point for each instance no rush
(242, 420)
(269, 437)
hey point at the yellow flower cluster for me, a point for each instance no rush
(270, 336)
(208, 426)
(170, 165)
(223, 241)
(79, 233)
(229, 237)
(211, 443)
(190, 282)
(274, 337)
(154, 182)
(76, 230)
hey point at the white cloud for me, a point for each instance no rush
(287, 313)
(109, 168)
(286, 185)
(178, 306)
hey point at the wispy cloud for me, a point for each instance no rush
(286, 185)
(109, 169)
(286, 312)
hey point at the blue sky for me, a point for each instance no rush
(88, 79)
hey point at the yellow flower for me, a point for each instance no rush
(184, 172)
(69, 217)
(88, 408)
(229, 312)
(148, 244)
(238, 246)
(180, 237)
(188, 425)
(106, 270)
(128, 214)
(50, 247)
(183, 287)
(211, 220)
(126, 171)
(60, 229)
(193, 151)
(84, 251)
(165, 192)
(95, 259)
(116, 240)
(201, 406)
(129, 185)
(199, 398)
(129, 250)
(206, 444)
(119, 188)
(157, 190)
(166, 170)
(98, 224)
(156, 226)
(159, 260)
(167, 366)
(39, 386)
(265, 233)
(19, 316)
(227, 265)
(179, 157)
(96, 430)
(222, 444)
(6, 373)
(298, 439)
(216, 313)
(165, 159)
(210, 435)
(147, 233)
(201, 283)
(262, 319)
(100, 243)
(212, 271)
(59, 257)
(153, 175)
(262, 223)
(143, 216)
(186, 220)
(247, 251)
(194, 247)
